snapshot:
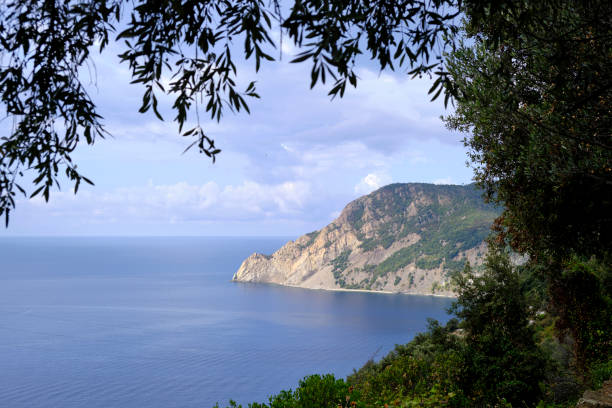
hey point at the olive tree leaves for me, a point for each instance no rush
(191, 42)
(43, 45)
(404, 34)
(536, 107)
(183, 48)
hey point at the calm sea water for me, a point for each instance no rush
(156, 322)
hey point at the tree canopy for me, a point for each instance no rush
(533, 91)
(536, 106)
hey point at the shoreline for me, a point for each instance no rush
(383, 292)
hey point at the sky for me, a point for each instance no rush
(287, 168)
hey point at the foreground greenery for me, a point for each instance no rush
(499, 350)
(535, 93)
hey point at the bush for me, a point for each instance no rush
(422, 373)
(583, 303)
(502, 359)
(600, 372)
(321, 391)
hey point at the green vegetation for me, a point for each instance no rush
(324, 391)
(583, 304)
(355, 218)
(537, 121)
(536, 113)
(504, 361)
(449, 219)
(311, 238)
(339, 265)
(435, 287)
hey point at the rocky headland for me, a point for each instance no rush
(402, 238)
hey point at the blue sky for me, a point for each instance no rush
(286, 169)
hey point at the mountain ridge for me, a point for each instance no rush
(403, 237)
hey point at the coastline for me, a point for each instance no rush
(383, 292)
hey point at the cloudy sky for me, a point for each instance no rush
(286, 169)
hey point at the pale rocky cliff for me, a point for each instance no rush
(403, 238)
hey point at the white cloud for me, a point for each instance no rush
(287, 148)
(285, 44)
(180, 202)
(319, 159)
(371, 182)
(385, 113)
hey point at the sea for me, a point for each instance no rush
(156, 322)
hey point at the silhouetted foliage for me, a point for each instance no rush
(45, 44)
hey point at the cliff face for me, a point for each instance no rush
(403, 238)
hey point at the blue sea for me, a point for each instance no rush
(156, 322)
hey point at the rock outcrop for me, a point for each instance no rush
(404, 238)
(597, 399)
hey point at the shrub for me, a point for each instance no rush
(502, 359)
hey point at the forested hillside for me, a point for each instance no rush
(407, 238)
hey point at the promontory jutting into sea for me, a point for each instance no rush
(402, 238)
